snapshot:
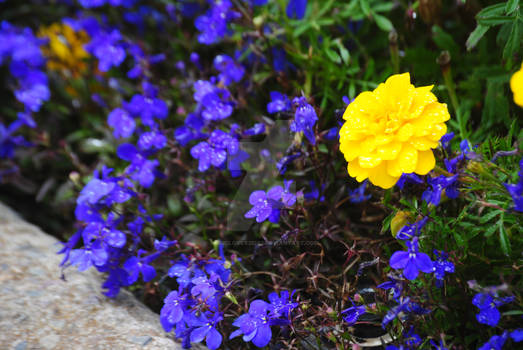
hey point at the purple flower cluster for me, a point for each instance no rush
(213, 24)
(516, 190)
(194, 309)
(110, 239)
(268, 205)
(255, 325)
(20, 50)
(304, 117)
(488, 307)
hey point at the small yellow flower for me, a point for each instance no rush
(65, 50)
(391, 131)
(516, 85)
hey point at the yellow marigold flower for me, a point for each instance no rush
(516, 85)
(65, 50)
(391, 131)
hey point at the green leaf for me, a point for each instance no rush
(503, 240)
(383, 22)
(459, 239)
(333, 55)
(486, 218)
(511, 6)
(496, 20)
(475, 36)
(365, 7)
(512, 313)
(492, 10)
(513, 42)
(344, 53)
(490, 230)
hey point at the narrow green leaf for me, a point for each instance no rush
(511, 6)
(493, 10)
(490, 230)
(513, 42)
(383, 22)
(503, 240)
(486, 218)
(512, 313)
(475, 36)
(496, 20)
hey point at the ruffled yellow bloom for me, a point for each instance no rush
(391, 131)
(65, 51)
(516, 85)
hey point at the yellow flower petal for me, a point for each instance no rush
(380, 177)
(356, 171)
(369, 160)
(393, 168)
(350, 149)
(516, 85)
(389, 151)
(408, 158)
(426, 162)
(423, 143)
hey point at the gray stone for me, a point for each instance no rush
(20, 346)
(50, 341)
(141, 340)
(39, 310)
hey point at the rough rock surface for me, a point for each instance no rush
(39, 310)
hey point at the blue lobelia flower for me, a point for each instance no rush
(141, 169)
(108, 48)
(296, 8)
(495, 342)
(304, 118)
(438, 184)
(164, 244)
(395, 311)
(442, 266)
(254, 325)
(266, 206)
(351, 314)
(191, 130)
(412, 340)
(279, 103)
(488, 308)
(358, 195)
(517, 335)
(285, 161)
(204, 327)
(516, 190)
(173, 309)
(412, 261)
(152, 140)
(412, 230)
(147, 108)
(214, 101)
(213, 24)
(256, 129)
(8, 141)
(214, 151)
(281, 306)
(394, 285)
(408, 178)
(235, 161)
(137, 265)
(122, 123)
(230, 71)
